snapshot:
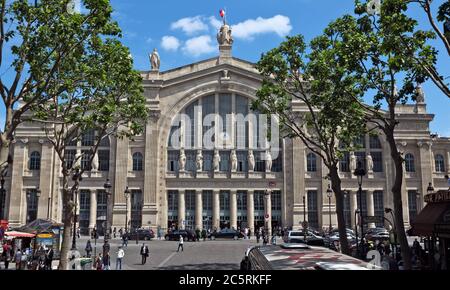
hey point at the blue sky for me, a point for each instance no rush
(184, 32)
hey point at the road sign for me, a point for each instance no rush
(373, 219)
(305, 224)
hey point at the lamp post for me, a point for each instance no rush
(127, 195)
(356, 231)
(430, 188)
(48, 207)
(267, 217)
(76, 177)
(360, 172)
(329, 194)
(305, 226)
(107, 187)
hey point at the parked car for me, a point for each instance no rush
(330, 239)
(299, 237)
(141, 234)
(380, 234)
(226, 234)
(188, 235)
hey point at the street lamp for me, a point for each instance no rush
(267, 217)
(127, 195)
(360, 172)
(76, 178)
(356, 230)
(329, 194)
(107, 187)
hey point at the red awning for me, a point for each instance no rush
(19, 234)
(423, 224)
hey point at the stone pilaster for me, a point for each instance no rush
(268, 212)
(93, 210)
(198, 210)
(45, 179)
(17, 199)
(216, 209)
(181, 209)
(251, 211)
(233, 209)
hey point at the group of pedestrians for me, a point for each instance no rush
(25, 259)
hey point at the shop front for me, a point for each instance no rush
(433, 225)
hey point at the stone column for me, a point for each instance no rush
(129, 211)
(93, 210)
(181, 210)
(198, 210)
(233, 209)
(216, 209)
(268, 211)
(353, 207)
(251, 211)
(370, 207)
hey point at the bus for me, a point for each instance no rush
(300, 256)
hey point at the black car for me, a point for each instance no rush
(141, 234)
(226, 234)
(188, 235)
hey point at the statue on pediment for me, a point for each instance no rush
(216, 160)
(182, 160)
(224, 36)
(251, 160)
(155, 60)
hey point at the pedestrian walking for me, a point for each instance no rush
(6, 255)
(114, 232)
(125, 240)
(204, 235)
(180, 244)
(99, 262)
(197, 235)
(49, 258)
(144, 253)
(88, 249)
(265, 238)
(106, 247)
(246, 233)
(106, 262)
(78, 233)
(120, 255)
(258, 236)
(18, 259)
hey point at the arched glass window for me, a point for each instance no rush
(137, 161)
(409, 163)
(311, 162)
(35, 161)
(439, 163)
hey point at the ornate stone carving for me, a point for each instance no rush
(224, 36)
(155, 60)
(182, 160)
(352, 162)
(234, 161)
(268, 161)
(154, 115)
(226, 74)
(369, 163)
(95, 163)
(199, 160)
(24, 140)
(216, 160)
(420, 94)
(251, 160)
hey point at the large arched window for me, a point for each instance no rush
(35, 161)
(137, 161)
(409, 163)
(439, 163)
(311, 162)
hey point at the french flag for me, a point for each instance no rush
(222, 13)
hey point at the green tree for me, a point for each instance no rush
(309, 94)
(374, 47)
(34, 41)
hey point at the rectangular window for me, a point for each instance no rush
(189, 198)
(85, 160)
(69, 156)
(259, 200)
(276, 200)
(103, 160)
(359, 142)
(85, 199)
(347, 210)
(361, 156)
(101, 205)
(412, 204)
(207, 199)
(374, 142)
(241, 123)
(242, 161)
(277, 164)
(207, 160)
(224, 200)
(88, 138)
(172, 161)
(313, 214)
(378, 205)
(260, 163)
(242, 200)
(137, 202)
(190, 161)
(377, 158)
(208, 108)
(172, 200)
(344, 162)
(32, 205)
(224, 161)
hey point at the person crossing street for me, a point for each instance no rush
(180, 244)
(144, 253)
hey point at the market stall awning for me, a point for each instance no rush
(423, 224)
(16, 234)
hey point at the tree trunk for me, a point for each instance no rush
(398, 207)
(67, 220)
(336, 185)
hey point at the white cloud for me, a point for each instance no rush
(170, 43)
(199, 45)
(214, 22)
(248, 29)
(190, 25)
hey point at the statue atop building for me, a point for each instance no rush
(216, 160)
(251, 160)
(420, 94)
(352, 162)
(369, 163)
(234, 161)
(155, 60)
(95, 163)
(199, 160)
(182, 160)
(268, 161)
